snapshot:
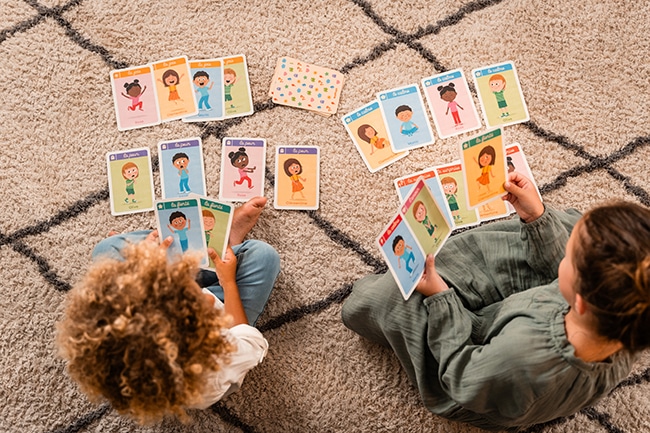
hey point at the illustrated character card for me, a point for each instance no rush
(404, 185)
(130, 181)
(425, 218)
(500, 94)
(406, 118)
(303, 85)
(217, 221)
(484, 165)
(451, 103)
(174, 88)
(207, 80)
(297, 177)
(237, 98)
(182, 220)
(243, 168)
(516, 161)
(134, 95)
(369, 134)
(404, 256)
(181, 167)
(452, 182)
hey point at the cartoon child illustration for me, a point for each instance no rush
(208, 224)
(420, 214)
(229, 79)
(510, 164)
(203, 85)
(130, 172)
(403, 252)
(485, 161)
(134, 92)
(450, 188)
(171, 79)
(181, 161)
(497, 85)
(448, 94)
(404, 113)
(293, 169)
(369, 134)
(239, 160)
(179, 224)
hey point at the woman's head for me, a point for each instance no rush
(140, 333)
(612, 260)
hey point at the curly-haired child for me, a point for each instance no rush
(519, 322)
(140, 332)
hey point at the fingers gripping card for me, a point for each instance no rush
(297, 177)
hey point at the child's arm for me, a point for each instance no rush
(227, 274)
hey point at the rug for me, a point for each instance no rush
(585, 78)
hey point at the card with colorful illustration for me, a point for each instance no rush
(134, 95)
(451, 104)
(425, 217)
(404, 256)
(217, 221)
(404, 184)
(130, 181)
(303, 85)
(207, 80)
(368, 133)
(182, 219)
(484, 167)
(494, 209)
(406, 118)
(451, 180)
(181, 167)
(243, 168)
(237, 97)
(516, 161)
(174, 88)
(500, 95)
(297, 177)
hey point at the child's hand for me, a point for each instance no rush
(523, 196)
(431, 283)
(155, 238)
(227, 268)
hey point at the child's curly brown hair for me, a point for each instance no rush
(141, 334)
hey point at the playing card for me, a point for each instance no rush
(297, 177)
(406, 118)
(174, 88)
(134, 97)
(243, 168)
(237, 98)
(182, 220)
(130, 181)
(217, 221)
(303, 85)
(452, 183)
(451, 104)
(404, 185)
(368, 133)
(181, 167)
(500, 95)
(207, 80)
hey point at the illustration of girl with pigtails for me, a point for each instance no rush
(134, 92)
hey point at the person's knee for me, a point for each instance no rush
(263, 254)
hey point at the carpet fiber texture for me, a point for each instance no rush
(586, 79)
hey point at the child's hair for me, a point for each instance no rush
(229, 71)
(448, 88)
(135, 83)
(168, 73)
(176, 214)
(200, 74)
(179, 155)
(140, 334)
(416, 206)
(402, 108)
(207, 214)
(288, 163)
(497, 77)
(612, 259)
(448, 179)
(396, 240)
(126, 166)
(234, 155)
(361, 132)
(487, 150)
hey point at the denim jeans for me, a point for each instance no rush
(258, 265)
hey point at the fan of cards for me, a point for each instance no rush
(446, 197)
(177, 88)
